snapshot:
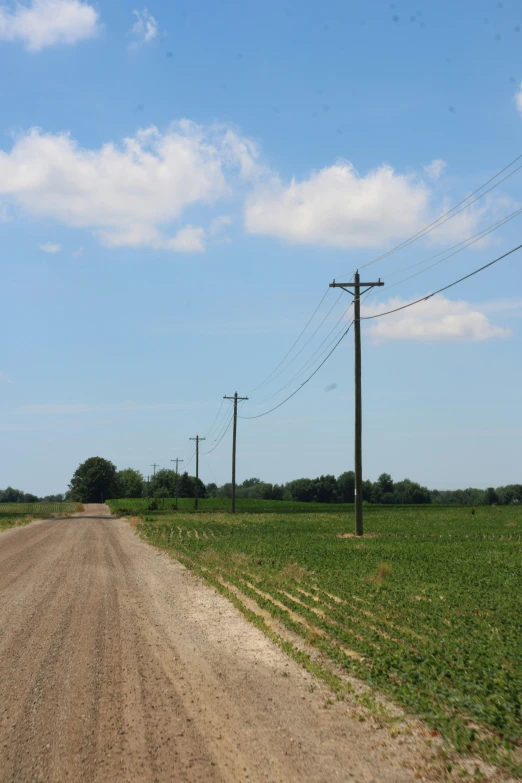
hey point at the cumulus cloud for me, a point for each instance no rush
(50, 247)
(339, 207)
(435, 168)
(436, 319)
(145, 29)
(127, 193)
(42, 23)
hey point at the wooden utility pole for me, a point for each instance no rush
(235, 398)
(357, 285)
(196, 491)
(177, 478)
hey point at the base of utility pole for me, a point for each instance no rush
(356, 285)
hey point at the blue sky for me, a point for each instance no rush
(179, 185)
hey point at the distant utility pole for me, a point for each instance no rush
(356, 293)
(196, 491)
(154, 466)
(177, 477)
(235, 398)
(148, 486)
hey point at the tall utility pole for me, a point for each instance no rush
(196, 492)
(177, 477)
(356, 293)
(235, 398)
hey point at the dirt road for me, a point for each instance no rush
(118, 664)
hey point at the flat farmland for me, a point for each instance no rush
(425, 609)
(12, 514)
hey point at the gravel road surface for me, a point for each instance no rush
(118, 664)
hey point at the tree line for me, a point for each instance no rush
(98, 479)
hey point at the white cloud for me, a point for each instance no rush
(42, 23)
(4, 378)
(127, 193)
(518, 99)
(339, 207)
(436, 319)
(435, 168)
(50, 247)
(145, 29)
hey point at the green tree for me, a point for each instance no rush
(251, 482)
(346, 487)
(94, 481)
(385, 483)
(490, 496)
(129, 483)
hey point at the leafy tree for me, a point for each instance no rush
(129, 483)
(301, 490)
(251, 482)
(163, 484)
(490, 496)
(385, 483)
(325, 489)
(94, 481)
(346, 487)
(212, 490)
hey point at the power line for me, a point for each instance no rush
(304, 382)
(190, 460)
(311, 359)
(448, 215)
(222, 426)
(445, 288)
(306, 343)
(216, 418)
(274, 374)
(206, 453)
(465, 242)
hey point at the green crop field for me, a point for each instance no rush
(248, 506)
(12, 514)
(426, 609)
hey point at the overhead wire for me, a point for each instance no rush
(216, 418)
(451, 213)
(303, 330)
(472, 240)
(260, 415)
(311, 358)
(206, 453)
(307, 342)
(444, 288)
